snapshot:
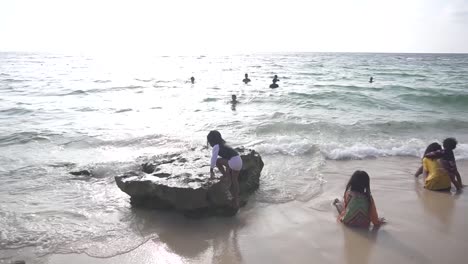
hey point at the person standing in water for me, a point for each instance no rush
(246, 79)
(371, 80)
(274, 85)
(192, 79)
(234, 102)
(230, 163)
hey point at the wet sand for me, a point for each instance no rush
(423, 226)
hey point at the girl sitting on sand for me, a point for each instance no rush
(432, 148)
(447, 158)
(359, 207)
(436, 176)
(229, 164)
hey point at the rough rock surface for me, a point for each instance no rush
(182, 182)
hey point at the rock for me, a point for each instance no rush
(182, 182)
(81, 172)
(148, 167)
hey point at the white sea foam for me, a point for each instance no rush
(363, 151)
(355, 151)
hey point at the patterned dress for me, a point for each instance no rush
(358, 210)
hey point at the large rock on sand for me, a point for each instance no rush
(182, 182)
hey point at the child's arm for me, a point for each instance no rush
(214, 158)
(419, 171)
(457, 174)
(374, 217)
(341, 207)
(338, 205)
(435, 154)
(455, 182)
(453, 173)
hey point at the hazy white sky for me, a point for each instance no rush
(217, 26)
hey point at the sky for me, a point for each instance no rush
(242, 26)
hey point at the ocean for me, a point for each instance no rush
(60, 113)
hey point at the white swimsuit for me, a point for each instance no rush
(234, 162)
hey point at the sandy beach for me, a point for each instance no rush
(423, 227)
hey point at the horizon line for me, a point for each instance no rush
(233, 53)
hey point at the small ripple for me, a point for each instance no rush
(124, 110)
(15, 111)
(23, 138)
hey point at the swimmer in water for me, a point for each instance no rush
(234, 99)
(246, 79)
(234, 102)
(274, 85)
(371, 80)
(192, 79)
(275, 78)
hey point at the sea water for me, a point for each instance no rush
(60, 113)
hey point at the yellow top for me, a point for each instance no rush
(437, 177)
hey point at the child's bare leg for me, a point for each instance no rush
(221, 164)
(338, 205)
(235, 187)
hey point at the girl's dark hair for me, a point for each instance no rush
(450, 143)
(214, 137)
(434, 146)
(359, 182)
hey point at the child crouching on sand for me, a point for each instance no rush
(358, 209)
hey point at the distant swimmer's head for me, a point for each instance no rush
(246, 75)
(276, 77)
(234, 98)
(359, 182)
(450, 143)
(192, 79)
(214, 138)
(434, 146)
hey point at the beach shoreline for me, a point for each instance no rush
(423, 226)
